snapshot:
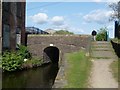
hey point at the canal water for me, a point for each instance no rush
(40, 77)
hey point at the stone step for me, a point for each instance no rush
(102, 53)
(101, 49)
(101, 42)
(99, 46)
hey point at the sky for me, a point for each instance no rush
(77, 17)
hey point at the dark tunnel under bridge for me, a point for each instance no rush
(51, 54)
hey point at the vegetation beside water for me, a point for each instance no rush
(78, 70)
(20, 59)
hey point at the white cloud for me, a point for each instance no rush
(70, 28)
(62, 27)
(58, 20)
(76, 30)
(39, 18)
(99, 16)
(97, 0)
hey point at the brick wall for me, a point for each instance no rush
(65, 44)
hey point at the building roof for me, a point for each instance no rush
(50, 31)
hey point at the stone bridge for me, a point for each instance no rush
(64, 43)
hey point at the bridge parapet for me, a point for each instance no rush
(65, 43)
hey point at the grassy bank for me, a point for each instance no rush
(78, 70)
(116, 40)
(0, 61)
(115, 68)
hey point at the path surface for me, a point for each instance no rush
(102, 57)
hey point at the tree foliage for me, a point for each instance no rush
(63, 32)
(116, 9)
(102, 34)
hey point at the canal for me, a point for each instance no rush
(41, 77)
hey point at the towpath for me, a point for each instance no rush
(101, 75)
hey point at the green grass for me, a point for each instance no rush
(116, 40)
(78, 70)
(115, 68)
(0, 61)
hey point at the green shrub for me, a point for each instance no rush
(23, 51)
(63, 32)
(102, 34)
(0, 61)
(11, 61)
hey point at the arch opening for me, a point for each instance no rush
(51, 54)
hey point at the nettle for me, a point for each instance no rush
(13, 60)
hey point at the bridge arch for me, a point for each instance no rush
(51, 54)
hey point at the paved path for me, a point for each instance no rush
(102, 57)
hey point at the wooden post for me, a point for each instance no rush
(116, 29)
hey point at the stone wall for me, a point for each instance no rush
(65, 43)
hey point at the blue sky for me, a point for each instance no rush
(77, 17)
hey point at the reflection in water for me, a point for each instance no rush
(41, 77)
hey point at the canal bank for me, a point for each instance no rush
(60, 81)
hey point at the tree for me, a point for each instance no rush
(102, 34)
(63, 32)
(116, 17)
(116, 8)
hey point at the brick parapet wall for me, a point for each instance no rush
(65, 43)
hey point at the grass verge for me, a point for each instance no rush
(0, 61)
(116, 40)
(78, 70)
(115, 68)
